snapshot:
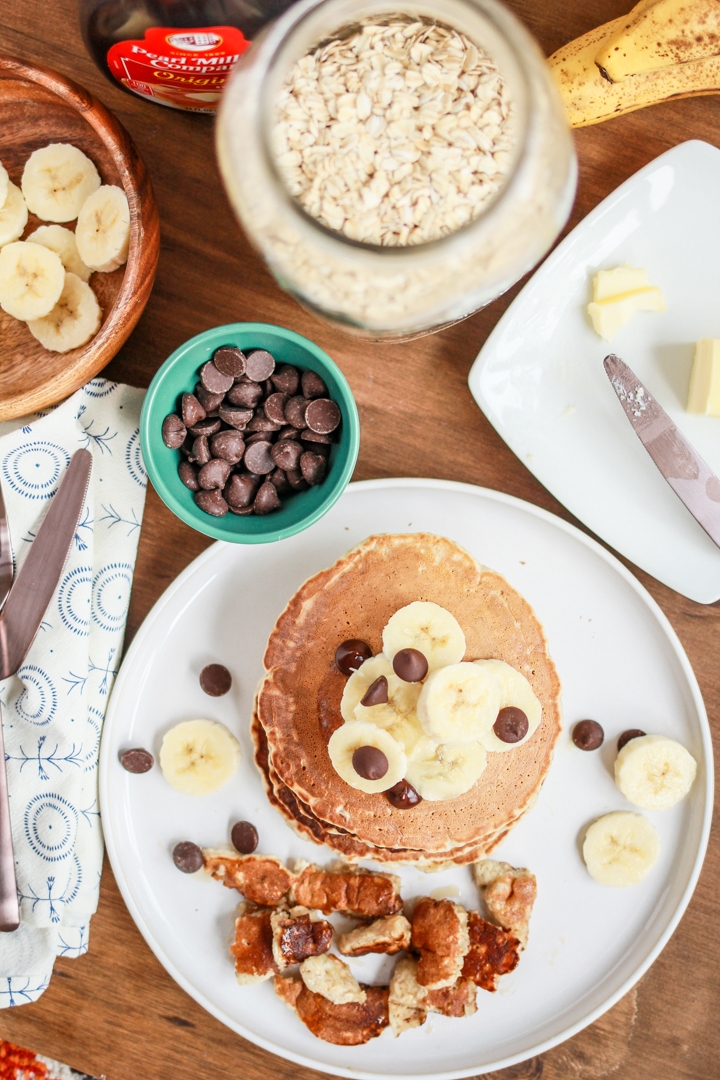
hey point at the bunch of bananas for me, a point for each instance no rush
(662, 49)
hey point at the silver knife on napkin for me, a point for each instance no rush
(20, 621)
(692, 480)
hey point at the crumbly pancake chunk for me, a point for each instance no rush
(345, 1025)
(409, 1002)
(440, 935)
(493, 952)
(347, 889)
(252, 946)
(297, 934)
(331, 977)
(388, 935)
(509, 894)
(262, 879)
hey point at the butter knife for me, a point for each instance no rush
(20, 620)
(692, 480)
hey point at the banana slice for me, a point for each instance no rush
(654, 772)
(74, 320)
(430, 629)
(13, 216)
(356, 734)
(103, 229)
(4, 184)
(198, 757)
(57, 180)
(362, 679)
(439, 771)
(517, 692)
(459, 703)
(398, 715)
(31, 280)
(62, 241)
(621, 848)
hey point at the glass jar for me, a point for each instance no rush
(399, 292)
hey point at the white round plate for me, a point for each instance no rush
(620, 663)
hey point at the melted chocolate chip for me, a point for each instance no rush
(187, 857)
(631, 733)
(410, 665)
(244, 837)
(376, 693)
(370, 762)
(350, 654)
(215, 680)
(588, 735)
(403, 796)
(137, 760)
(511, 725)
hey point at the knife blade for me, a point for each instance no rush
(38, 576)
(692, 480)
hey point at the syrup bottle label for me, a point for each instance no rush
(182, 68)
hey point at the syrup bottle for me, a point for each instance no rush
(173, 52)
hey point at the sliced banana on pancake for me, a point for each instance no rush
(198, 757)
(351, 747)
(31, 280)
(459, 703)
(56, 181)
(516, 692)
(430, 629)
(654, 772)
(13, 216)
(439, 771)
(103, 229)
(621, 848)
(62, 241)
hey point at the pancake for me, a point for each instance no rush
(298, 701)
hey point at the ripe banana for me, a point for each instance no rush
(198, 757)
(515, 691)
(439, 771)
(654, 772)
(13, 216)
(459, 703)
(402, 696)
(4, 184)
(31, 280)
(72, 322)
(621, 848)
(355, 734)
(56, 181)
(662, 49)
(62, 241)
(103, 229)
(430, 629)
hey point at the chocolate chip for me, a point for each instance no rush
(214, 474)
(351, 654)
(279, 479)
(188, 857)
(214, 380)
(228, 445)
(627, 736)
(241, 511)
(588, 735)
(511, 725)
(188, 475)
(376, 693)
(288, 433)
(211, 502)
(240, 491)
(286, 454)
(258, 458)
(259, 365)
(322, 416)
(296, 480)
(191, 410)
(245, 393)
(244, 837)
(370, 763)
(403, 796)
(137, 760)
(312, 385)
(210, 402)
(312, 466)
(173, 431)
(295, 412)
(215, 680)
(286, 378)
(205, 427)
(309, 436)
(256, 436)
(200, 452)
(275, 408)
(235, 417)
(262, 423)
(268, 388)
(267, 499)
(410, 665)
(229, 360)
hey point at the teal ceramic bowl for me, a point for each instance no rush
(179, 374)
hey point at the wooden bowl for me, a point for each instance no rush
(37, 107)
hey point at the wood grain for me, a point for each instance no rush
(39, 106)
(115, 1011)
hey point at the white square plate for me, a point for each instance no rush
(539, 378)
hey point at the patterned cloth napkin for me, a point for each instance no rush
(53, 708)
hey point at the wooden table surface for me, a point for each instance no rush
(115, 1012)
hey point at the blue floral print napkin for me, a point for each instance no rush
(53, 708)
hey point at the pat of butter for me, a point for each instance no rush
(608, 284)
(704, 394)
(609, 315)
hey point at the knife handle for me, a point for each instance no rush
(9, 911)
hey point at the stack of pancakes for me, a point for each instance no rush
(298, 702)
